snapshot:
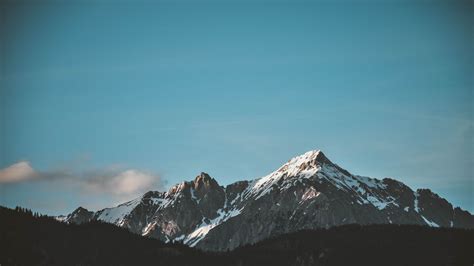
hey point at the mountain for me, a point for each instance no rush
(29, 239)
(78, 216)
(307, 192)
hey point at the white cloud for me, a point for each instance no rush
(125, 183)
(113, 181)
(17, 172)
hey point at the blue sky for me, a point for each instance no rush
(234, 89)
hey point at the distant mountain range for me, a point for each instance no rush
(307, 192)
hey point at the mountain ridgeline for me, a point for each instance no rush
(308, 192)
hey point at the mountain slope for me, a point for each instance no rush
(307, 192)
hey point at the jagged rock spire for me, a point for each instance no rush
(204, 182)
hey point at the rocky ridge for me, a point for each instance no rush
(307, 192)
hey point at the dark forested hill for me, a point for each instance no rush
(27, 239)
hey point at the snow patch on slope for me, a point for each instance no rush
(60, 218)
(262, 186)
(116, 215)
(415, 202)
(203, 229)
(428, 222)
(310, 193)
(193, 195)
(367, 189)
(148, 228)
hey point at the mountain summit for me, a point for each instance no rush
(307, 192)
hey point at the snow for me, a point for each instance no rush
(198, 234)
(157, 201)
(262, 186)
(147, 228)
(377, 203)
(116, 215)
(193, 195)
(203, 229)
(430, 223)
(367, 189)
(60, 218)
(371, 182)
(179, 238)
(415, 203)
(310, 193)
(238, 196)
(292, 167)
(179, 187)
(364, 190)
(172, 196)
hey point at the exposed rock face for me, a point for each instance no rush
(307, 192)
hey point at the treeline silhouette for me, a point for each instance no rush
(27, 238)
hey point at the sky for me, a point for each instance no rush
(102, 101)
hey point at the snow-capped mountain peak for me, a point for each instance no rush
(308, 191)
(297, 168)
(79, 215)
(310, 160)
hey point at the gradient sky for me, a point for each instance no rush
(235, 89)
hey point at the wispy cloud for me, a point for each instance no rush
(124, 183)
(113, 181)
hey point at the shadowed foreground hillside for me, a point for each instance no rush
(26, 239)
